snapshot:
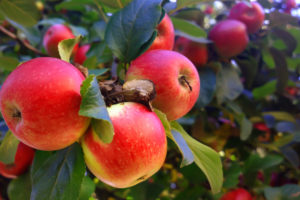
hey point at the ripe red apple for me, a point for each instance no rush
(176, 80)
(54, 35)
(289, 5)
(194, 51)
(40, 101)
(23, 160)
(138, 149)
(165, 35)
(80, 55)
(230, 37)
(237, 194)
(252, 16)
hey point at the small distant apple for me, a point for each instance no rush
(252, 16)
(194, 51)
(175, 77)
(23, 159)
(138, 149)
(40, 101)
(165, 35)
(80, 55)
(237, 194)
(54, 35)
(230, 37)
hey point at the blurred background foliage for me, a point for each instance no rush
(248, 109)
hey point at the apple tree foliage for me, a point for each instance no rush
(244, 130)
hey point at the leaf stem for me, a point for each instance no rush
(120, 4)
(100, 8)
(22, 42)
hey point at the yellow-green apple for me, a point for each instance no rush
(137, 151)
(196, 52)
(80, 55)
(176, 80)
(40, 101)
(23, 160)
(54, 35)
(251, 15)
(230, 37)
(165, 35)
(237, 194)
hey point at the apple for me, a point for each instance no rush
(80, 55)
(165, 35)
(23, 159)
(230, 37)
(252, 16)
(40, 101)
(54, 35)
(237, 194)
(209, 10)
(194, 51)
(289, 5)
(176, 80)
(138, 149)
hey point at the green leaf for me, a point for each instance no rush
(295, 32)
(78, 5)
(115, 3)
(288, 39)
(268, 59)
(132, 30)
(229, 85)
(188, 27)
(285, 192)
(87, 188)
(8, 148)
(246, 128)
(207, 86)
(255, 162)
(98, 72)
(264, 90)
(231, 176)
(22, 12)
(8, 63)
(184, 3)
(93, 105)
(175, 136)
(206, 158)
(20, 188)
(65, 47)
(59, 176)
(281, 115)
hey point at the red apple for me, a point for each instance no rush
(289, 5)
(80, 55)
(40, 101)
(176, 80)
(138, 149)
(23, 160)
(252, 16)
(209, 10)
(237, 194)
(165, 35)
(194, 51)
(54, 35)
(230, 37)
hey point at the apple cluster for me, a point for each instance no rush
(230, 36)
(42, 109)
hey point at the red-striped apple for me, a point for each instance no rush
(40, 101)
(138, 149)
(230, 37)
(165, 35)
(23, 160)
(251, 15)
(176, 80)
(54, 35)
(80, 55)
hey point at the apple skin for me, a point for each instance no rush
(40, 101)
(138, 149)
(54, 35)
(165, 35)
(166, 69)
(80, 55)
(253, 17)
(196, 52)
(237, 194)
(23, 159)
(230, 37)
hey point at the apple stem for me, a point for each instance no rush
(16, 114)
(183, 81)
